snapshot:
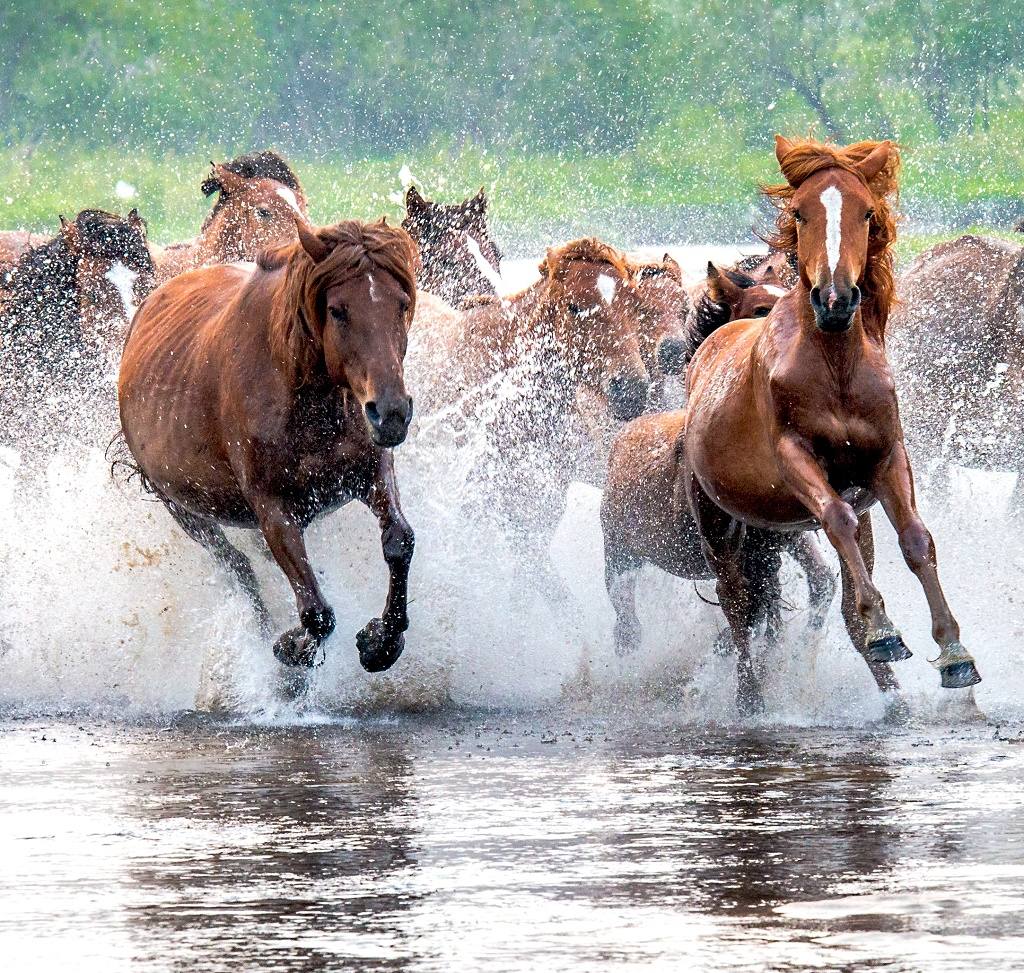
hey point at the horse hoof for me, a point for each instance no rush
(959, 675)
(297, 647)
(889, 648)
(379, 649)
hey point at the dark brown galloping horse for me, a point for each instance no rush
(792, 420)
(258, 197)
(265, 397)
(458, 256)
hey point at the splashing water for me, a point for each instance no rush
(106, 606)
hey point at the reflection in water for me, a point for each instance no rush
(502, 841)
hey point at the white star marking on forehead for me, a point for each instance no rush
(832, 200)
(773, 289)
(374, 296)
(289, 197)
(606, 288)
(492, 275)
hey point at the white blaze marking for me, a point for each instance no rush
(777, 291)
(123, 280)
(832, 200)
(289, 197)
(484, 267)
(606, 288)
(373, 289)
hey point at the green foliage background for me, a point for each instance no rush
(562, 107)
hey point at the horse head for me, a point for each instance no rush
(663, 305)
(838, 222)
(458, 256)
(591, 299)
(355, 293)
(741, 293)
(252, 212)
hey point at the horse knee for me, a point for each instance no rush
(917, 546)
(839, 520)
(398, 542)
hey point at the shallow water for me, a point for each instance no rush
(511, 795)
(509, 841)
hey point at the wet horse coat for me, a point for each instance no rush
(265, 396)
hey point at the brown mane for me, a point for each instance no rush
(589, 249)
(355, 248)
(808, 157)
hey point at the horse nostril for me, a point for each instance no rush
(372, 414)
(627, 396)
(671, 355)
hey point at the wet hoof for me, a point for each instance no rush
(889, 648)
(297, 647)
(959, 675)
(379, 647)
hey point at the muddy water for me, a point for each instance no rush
(509, 841)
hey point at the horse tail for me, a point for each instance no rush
(119, 455)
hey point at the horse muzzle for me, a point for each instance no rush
(627, 395)
(834, 308)
(671, 355)
(388, 420)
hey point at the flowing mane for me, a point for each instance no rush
(255, 165)
(355, 248)
(808, 157)
(589, 249)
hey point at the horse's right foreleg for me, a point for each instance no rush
(805, 477)
(298, 646)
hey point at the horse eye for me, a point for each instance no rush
(264, 214)
(761, 312)
(869, 216)
(339, 314)
(797, 216)
(575, 308)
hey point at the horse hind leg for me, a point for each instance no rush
(620, 571)
(821, 582)
(212, 537)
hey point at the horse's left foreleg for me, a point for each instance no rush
(894, 487)
(381, 642)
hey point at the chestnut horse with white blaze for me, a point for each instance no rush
(792, 420)
(263, 396)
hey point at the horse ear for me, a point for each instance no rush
(311, 242)
(69, 234)
(783, 147)
(479, 202)
(414, 202)
(223, 180)
(876, 161)
(383, 221)
(672, 268)
(720, 287)
(135, 220)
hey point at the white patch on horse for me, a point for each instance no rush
(374, 296)
(483, 266)
(832, 200)
(606, 288)
(289, 197)
(123, 280)
(777, 291)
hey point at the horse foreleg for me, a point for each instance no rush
(721, 540)
(882, 672)
(297, 646)
(821, 582)
(620, 570)
(894, 487)
(805, 477)
(381, 642)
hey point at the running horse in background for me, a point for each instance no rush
(266, 396)
(258, 198)
(957, 346)
(515, 370)
(458, 257)
(792, 420)
(64, 309)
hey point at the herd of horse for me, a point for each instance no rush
(266, 372)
